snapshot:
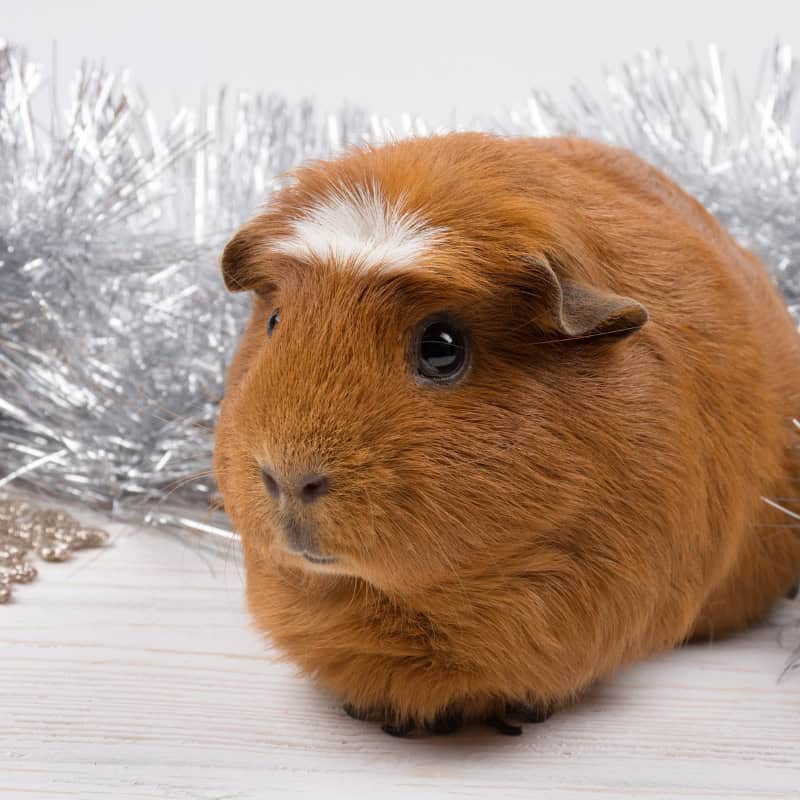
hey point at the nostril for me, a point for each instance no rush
(313, 487)
(273, 487)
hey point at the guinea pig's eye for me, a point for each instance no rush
(440, 350)
(274, 319)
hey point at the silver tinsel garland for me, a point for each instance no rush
(114, 326)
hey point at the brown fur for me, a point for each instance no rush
(573, 503)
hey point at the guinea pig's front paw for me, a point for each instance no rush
(444, 722)
(517, 713)
(364, 714)
(452, 720)
(522, 712)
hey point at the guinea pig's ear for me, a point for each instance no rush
(245, 261)
(236, 269)
(573, 311)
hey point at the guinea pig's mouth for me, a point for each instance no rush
(315, 559)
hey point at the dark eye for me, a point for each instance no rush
(441, 350)
(274, 319)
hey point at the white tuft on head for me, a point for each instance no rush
(358, 225)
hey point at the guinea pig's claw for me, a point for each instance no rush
(442, 724)
(355, 713)
(506, 728)
(530, 714)
(517, 713)
(372, 715)
(401, 730)
(446, 722)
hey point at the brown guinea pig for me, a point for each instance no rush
(503, 419)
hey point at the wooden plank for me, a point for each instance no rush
(134, 672)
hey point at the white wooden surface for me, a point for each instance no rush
(133, 672)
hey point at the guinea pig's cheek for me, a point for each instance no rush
(259, 546)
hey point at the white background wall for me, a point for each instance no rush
(409, 55)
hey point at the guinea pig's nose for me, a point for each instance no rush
(312, 487)
(308, 489)
(271, 482)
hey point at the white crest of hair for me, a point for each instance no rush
(358, 225)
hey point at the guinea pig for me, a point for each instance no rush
(504, 418)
